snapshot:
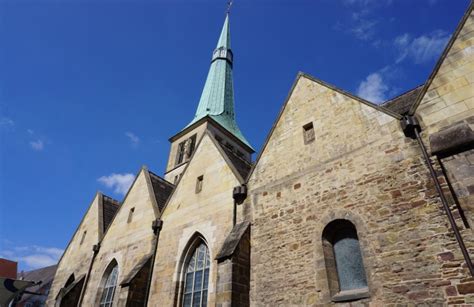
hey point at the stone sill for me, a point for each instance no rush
(351, 295)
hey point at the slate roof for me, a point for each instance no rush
(110, 207)
(45, 275)
(232, 241)
(403, 103)
(242, 166)
(161, 188)
(131, 275)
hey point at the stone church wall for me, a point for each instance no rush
(78, 255)
(127, 241)
(190, 215)
(360, 168)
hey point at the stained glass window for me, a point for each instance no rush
(109, 289)
(196, 278)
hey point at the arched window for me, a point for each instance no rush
(344, 264)
(107, 297)
(196, 277)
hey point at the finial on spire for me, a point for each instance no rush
(229, 5)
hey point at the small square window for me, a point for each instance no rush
(308, 133)
(83, 237)
(199, 181)
(130, 215)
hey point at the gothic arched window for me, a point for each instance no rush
(344, 264)
(196, 277)
(110, 284)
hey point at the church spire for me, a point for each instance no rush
(217, 98)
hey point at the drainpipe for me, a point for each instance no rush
(412, 129)
(95, 250)
(156, 226)
(238, 194)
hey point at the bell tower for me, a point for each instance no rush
(215, 113)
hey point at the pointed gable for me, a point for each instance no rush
(340, 123)
(75, 259)
(129, 235)
(219, 176)
(448, 96)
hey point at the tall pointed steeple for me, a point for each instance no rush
(217, 98)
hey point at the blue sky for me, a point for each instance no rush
(92, 90)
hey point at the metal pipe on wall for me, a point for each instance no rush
(412, 129)
(156, 226)
(95, 250)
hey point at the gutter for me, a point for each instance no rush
(156, 226)
(95, 250)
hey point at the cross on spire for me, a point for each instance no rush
(229, 6)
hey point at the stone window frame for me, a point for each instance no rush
(130, 215)
(368, 256)
(83, 237)
(199, 183)
(183, 154)
(105, 274)
(334, 279)
(308, 133)
(195, 240)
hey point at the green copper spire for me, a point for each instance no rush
(217, 98)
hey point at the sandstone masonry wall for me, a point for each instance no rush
(361, 168)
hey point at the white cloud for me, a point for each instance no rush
(133, 138)
(31, 257)
(421, 49)
(5, 121)
(119, 182)
(373, 88)
(37, 145)
(364, 29)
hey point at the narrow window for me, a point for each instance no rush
(199, 182)
(180, 153)
(344, 264)
(130, 215)
(107, 297)
(83, 237)
(308, 133)
(190, 145)
(196, 277)
(176, 179)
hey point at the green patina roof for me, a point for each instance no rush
(217, 98)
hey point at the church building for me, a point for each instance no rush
(348, 203)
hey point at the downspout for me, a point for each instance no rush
(95, 250)
(156, 226)
(238, 194)
(412, 129)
